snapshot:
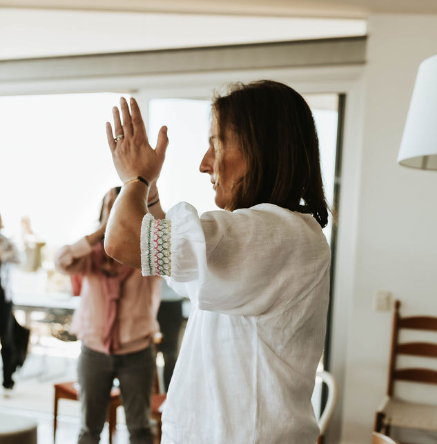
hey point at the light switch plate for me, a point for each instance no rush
(382, 301)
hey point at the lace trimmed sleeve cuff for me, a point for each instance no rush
(155, 246)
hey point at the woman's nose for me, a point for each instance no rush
(206, 166)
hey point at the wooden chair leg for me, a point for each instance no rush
(112, 421)
(159, 430)
(379, 422)
(55, 415)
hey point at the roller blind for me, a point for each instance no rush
(309, 53)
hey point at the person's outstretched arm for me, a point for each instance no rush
(138, 166)
(75, 258)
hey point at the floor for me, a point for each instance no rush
(68, 428)
(48, 363)
(68, 425)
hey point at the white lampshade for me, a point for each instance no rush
(419, 142)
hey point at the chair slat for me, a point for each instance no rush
(419, 323)
(418, 349)
(416, 375)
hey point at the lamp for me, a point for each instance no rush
(419, 141)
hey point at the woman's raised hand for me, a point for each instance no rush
(131, 152)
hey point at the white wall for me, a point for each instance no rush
(396, 243)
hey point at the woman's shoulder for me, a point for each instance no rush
(273, 214)
(185, 209)
(291, 230)
(260, 218)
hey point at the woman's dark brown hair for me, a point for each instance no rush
(117, 192)
(277, 135)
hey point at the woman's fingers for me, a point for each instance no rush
(117, 123)
(137, 121)
(131, 153)
(110, 136)
(162, 144)
(127, 123)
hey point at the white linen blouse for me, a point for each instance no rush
(258, 280)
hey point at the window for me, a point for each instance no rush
(55, 167)
(188, 124)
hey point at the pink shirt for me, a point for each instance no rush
(137, 307)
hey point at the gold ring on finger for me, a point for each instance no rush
(119, 137)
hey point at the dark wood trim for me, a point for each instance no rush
(341, 109)
(334, 234)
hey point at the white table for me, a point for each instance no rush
(48, 303)
(54, 303)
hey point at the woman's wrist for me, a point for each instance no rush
(137, 187)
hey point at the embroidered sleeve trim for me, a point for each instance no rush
(155, 246)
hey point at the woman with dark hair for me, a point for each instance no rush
(257, 274)
(116, 322)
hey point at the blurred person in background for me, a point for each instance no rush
(116, 322)
(33, 246)
(13, 337)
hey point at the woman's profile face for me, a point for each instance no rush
(225, 163)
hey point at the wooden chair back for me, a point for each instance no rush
(378, 438)
(421, 349)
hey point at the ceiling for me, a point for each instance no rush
(50, 33)
(50, 28)
(307, 8)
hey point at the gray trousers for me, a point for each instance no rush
(96, 372)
